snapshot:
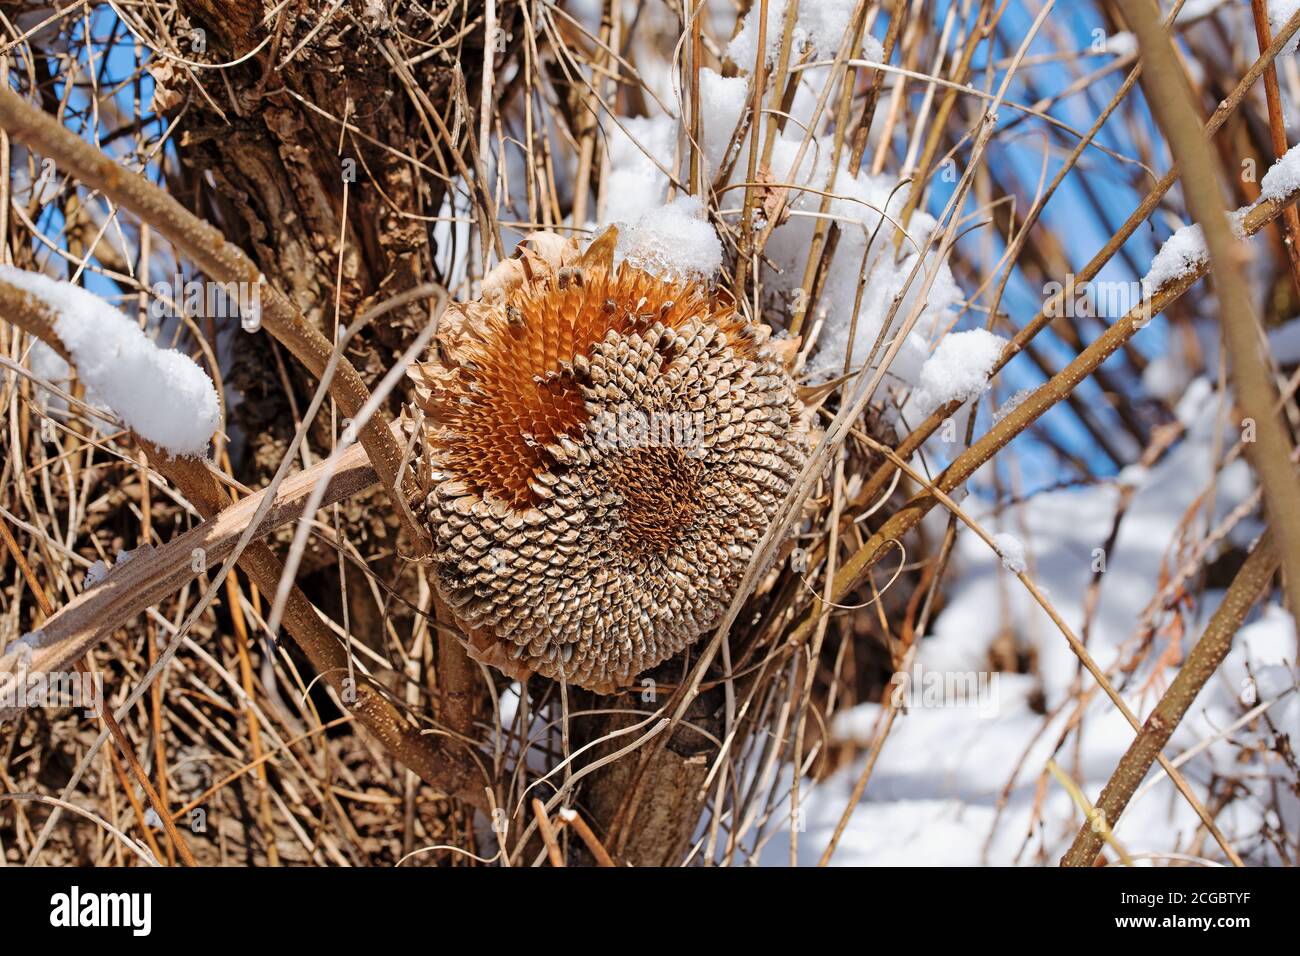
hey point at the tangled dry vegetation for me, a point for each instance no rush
(306, 696)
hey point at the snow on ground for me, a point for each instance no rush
(160, 393)
(934, 793)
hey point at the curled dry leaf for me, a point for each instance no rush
(166, 95)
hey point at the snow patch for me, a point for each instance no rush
(959, 369)
(1279, 12)
(1012, 552)
(1283, 177)
(160, 393)
(96, 573)
(673, 241)
(1184, 252)
(1122, 44)
(1165, 377)
(636, 183)
(722, 100)
(47, 365)
(1197, 9)
(99, 571)
(872, 49)
(818, 28)
(24, 646)
(868, 210)
(951, 791)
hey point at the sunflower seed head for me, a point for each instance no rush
(629, 442)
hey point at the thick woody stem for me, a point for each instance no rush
(70, 632)
(223, 262)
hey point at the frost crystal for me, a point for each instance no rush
(1012, 552)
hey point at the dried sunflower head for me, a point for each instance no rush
(601, 449)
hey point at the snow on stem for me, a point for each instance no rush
(161, 394)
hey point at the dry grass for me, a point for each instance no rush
(706, 761)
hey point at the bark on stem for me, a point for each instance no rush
(82, 623)
(223, 262)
